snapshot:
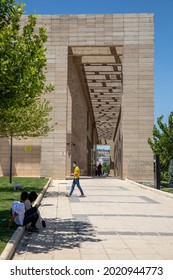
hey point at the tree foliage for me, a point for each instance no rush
(22, 122)
(10, 13)
(162, 142)
(105, 168)
(23, 111)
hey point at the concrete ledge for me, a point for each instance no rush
(9, 249)
(150, 188)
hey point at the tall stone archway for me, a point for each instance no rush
(102, 68)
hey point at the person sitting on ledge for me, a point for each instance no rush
(32, 196)
(23, 217)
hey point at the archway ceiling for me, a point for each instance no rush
(101, 69)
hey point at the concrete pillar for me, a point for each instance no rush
(53, 153)
(137, 99)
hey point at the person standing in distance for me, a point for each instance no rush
(76, 175)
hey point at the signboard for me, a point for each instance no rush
(28, 148)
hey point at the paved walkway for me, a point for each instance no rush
(116, 220)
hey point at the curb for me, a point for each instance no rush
(150, 189)
(9, 249)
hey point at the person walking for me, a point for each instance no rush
(76, 175)
(99, 169)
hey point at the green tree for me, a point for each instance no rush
(8, 12)
(23, 110)
(22, 60)
(162, 142)
(105, 168)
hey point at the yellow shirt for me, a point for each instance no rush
(77, 171)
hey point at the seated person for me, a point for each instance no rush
(32, 196)
(23, 217)
(28, 204)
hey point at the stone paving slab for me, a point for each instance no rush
(116, 220)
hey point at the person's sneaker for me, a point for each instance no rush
(33, 229)
(68, 195)
(82, 195)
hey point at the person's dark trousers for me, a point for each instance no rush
(31, 216)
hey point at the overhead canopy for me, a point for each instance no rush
(102, 72)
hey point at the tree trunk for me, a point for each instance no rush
(11, 159)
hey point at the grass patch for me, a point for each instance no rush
(169, 190)
(7, 196)
(165, 187)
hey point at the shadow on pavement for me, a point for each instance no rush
(58, 235)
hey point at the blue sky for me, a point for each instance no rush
(163, 10)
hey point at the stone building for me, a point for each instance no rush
(102, 67)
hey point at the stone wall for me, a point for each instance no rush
(52, 156)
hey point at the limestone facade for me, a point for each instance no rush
(102, 67)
